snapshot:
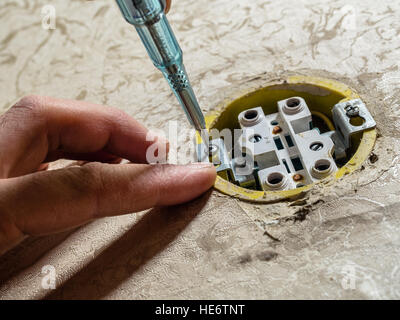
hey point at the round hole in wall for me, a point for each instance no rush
(320, 95)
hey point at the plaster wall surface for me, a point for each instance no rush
(341, 241)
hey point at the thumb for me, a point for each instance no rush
(52, 201)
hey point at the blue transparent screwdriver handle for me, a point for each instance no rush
(150, 22)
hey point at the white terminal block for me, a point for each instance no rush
(287, 151)
(256, 140)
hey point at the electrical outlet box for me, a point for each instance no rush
(284, 149)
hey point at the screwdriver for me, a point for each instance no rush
(154, 30)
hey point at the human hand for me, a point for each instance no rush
(34, 201)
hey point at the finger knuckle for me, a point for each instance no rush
(88, 181)
(28, 110)
(160, 178)
(30, 102)
(85, 179)
(92, 177)
(31, 105)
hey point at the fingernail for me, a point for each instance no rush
(200, 165)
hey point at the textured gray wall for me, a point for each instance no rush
(215, 247)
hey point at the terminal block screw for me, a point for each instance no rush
(212, 148)
(256, 138)
(297, 177)
(276, 130)
(352, 111)
(316, 146)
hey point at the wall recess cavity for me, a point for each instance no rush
(302, 133)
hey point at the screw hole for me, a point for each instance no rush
(251, 114)
(322, 165)
(256, 138)
(292, 103)
(316, 146)
(357, 121)
(275, 178)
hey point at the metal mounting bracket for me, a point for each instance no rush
(349, 118)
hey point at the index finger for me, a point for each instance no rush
(37, 126)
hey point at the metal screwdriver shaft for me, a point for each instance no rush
(150, 22)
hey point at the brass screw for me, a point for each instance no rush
(297, 177)
(276, 129)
